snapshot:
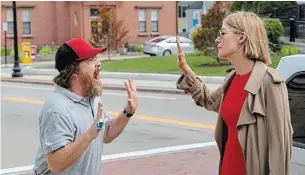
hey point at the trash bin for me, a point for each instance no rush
(292, 69)
(25, 52)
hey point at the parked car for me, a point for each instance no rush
(166, 45)
(292, 69)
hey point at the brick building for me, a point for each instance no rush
(53, 22)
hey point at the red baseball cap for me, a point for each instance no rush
(76, 49)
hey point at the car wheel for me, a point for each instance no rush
(167, 52)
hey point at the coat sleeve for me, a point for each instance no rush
(279, 127)
(202, 96)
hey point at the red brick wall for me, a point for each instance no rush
(53, 22)
(49, 22)
(167, 18)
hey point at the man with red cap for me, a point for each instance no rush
(73, 124)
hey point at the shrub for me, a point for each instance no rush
(45, 50)
(274, 29)
(139, 48)
(198, 52)
(211, 22)
(9, 51)
(131, 48)
(289, 50)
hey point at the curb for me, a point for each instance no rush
(26, 170)
(126, 75)
(25, 66)
(105, 86)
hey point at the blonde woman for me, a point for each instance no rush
(253, 130)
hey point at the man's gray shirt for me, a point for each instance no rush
(66, 116)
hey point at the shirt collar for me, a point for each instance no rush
(72, 96)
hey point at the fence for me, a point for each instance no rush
(293, 20)
(294, 12)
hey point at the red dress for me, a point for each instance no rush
(233, 161)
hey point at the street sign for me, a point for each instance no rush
(4, 26)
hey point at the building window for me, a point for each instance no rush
(155, 20)
(142, 20)
(182, 13)
(26, 21)
(96, 26)
(94, 12)
(10, 21)
(75, 18)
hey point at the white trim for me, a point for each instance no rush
(128, 155)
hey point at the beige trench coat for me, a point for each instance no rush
(264, 126)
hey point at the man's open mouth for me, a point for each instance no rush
(96, 76)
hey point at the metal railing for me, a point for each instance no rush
(294, 28)
(293, 20)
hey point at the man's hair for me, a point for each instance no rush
(63, 79)
(256, 45)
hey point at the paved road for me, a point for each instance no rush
(162, 120)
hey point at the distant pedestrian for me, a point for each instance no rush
(253, 130)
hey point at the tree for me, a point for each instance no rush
(211, 22)
(261, 6)
(109, 31)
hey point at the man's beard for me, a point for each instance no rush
(90, 87)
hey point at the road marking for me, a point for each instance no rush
(140, 96)
(128, 155)
(140, 117)
(22, 100)
(105, 93)
(169, 121)
(27, 87)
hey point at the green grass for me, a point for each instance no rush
(168, 64)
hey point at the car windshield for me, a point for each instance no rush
(157, 40)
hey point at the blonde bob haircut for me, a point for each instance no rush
(256, 45)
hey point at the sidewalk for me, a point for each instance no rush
(193, 162)
(147, 82)
(108, 83)
(190, 162)
(299, 43)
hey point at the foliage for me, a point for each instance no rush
(45, 50)
(274, 29)
(289, 50)
(261, 6)
(211, 22)
(9, 51)
(198, 52)
(139, 48)
(134, 48)
(110, 31)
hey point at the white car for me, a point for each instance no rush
(292, 69)
(166, 45)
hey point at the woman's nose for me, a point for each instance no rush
(217, 41)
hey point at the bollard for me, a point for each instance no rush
(292, 30)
